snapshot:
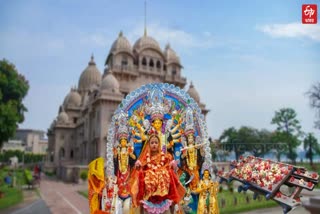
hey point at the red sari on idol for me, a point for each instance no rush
(154, 184)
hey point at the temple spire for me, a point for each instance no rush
(145, 17)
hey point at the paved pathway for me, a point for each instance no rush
(38, 206)
(63, 198)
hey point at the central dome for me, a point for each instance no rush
(90, 76)
(146, 42)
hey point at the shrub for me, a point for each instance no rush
(84, 175)
(49, 174)
(28, 175)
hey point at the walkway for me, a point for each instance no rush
(63, 198)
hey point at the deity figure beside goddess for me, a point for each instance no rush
(192, 154)
(208, 190)
(124, 159)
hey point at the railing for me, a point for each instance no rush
(126, 68)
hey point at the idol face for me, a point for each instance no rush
(123, 142)
(190, 139)
(157, 124)
(154, 144)
(206, 174)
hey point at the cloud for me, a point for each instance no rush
(97, 39)
(292, 30)
(177, 37)
(29, 44)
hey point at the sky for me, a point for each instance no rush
(247, 59)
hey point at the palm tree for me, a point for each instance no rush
(311, 147)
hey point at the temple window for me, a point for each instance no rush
(144, 61)
(158, 64)
(174, 70)
(151, 64)
(124, 60)
(61, 153)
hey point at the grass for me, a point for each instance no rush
(84, 193)
(242, 205)
(12, 195)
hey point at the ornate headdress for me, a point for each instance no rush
(157, 105)
(122, 121)
(189, 122)
(206, 166)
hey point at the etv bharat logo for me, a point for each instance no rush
(309, 14)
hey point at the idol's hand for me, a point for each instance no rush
(130, 150)
(173, 164)
(170, 144)
(115, 152)
(138, 164)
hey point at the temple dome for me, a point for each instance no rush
(110, 83)
(171, 55)
(146, 42)
(90, 76)
(63, 117)
(121, 44)
(72, 99)
(194, 93)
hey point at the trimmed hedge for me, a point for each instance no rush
(28, 175)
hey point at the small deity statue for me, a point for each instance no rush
(155, 185)
(124, 159)
(207, 189)
(192, 155)
(110, 203)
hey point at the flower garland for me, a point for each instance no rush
(155, 166)
(123, 153)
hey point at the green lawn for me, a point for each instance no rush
(242, 205)
(12, 195)
(84, 193)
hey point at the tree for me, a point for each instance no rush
(311, 147)
(13, 88)
(245, 139)
(279, 138)
(250, 137)
(229, 138)
(314, 97)
(264, 137)
(289, 128)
